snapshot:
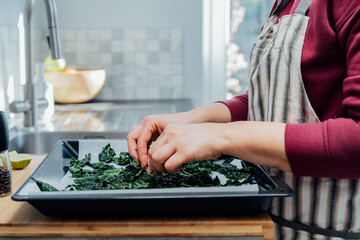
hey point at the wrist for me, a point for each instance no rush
(215, 113)
(224, 140)
(187, 117)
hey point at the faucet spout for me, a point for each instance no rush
(54, 41)
(31, 102)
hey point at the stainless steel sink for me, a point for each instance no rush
(43, 142)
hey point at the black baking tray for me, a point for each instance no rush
(141, 202)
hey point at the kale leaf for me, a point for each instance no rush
(45, 187)
(107, 154)
(123, 159)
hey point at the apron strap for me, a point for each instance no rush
(303, 7)
(280, 6)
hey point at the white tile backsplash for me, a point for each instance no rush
(164, 34)
(117, 46)
(164, 57)
(176, 45)
(105, 58)
(129, 58)
(141, 58)
(105, 35)
(140, 63)
(153, 46)
(141, 34)
(129, 45)
(176, 34)
(129, 34)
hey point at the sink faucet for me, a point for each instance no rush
(30, 104)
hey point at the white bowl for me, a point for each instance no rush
(76, 86)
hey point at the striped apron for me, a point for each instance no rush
(322, 208)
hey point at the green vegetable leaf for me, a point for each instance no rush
(45, 187)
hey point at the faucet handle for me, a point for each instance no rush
(19, 106)
(48, 41)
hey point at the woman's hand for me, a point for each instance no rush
(258, 142)
(183, 143)
(141, 137)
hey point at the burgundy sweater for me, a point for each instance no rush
(330, 66)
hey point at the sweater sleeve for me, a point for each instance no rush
(238, 107)
(332, 148)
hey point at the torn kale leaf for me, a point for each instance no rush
(107, 154)
(80, 163)
(123, 159)
(45, 187)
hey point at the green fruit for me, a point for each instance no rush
(19, 161)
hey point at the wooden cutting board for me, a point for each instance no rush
(20, 219)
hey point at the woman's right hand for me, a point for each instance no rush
(141, 137)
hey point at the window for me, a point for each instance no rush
(246, 20)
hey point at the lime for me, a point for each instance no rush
(54, 65)
(19, 161)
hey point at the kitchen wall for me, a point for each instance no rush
(151, 49)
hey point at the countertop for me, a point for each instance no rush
(115, 116)
(20, 219)
(112, 116)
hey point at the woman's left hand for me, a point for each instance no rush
(183, 143)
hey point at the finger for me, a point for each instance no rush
(175, 170)
(149, 170)
(161, 141)
(132, 145)
(142, 144)
(163, 153)
(175, 162)
(158, 168)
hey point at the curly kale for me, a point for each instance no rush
(123, 159)
(130, 175)
(77, 166)
(80, 163)
(107, 154)
(123, 172)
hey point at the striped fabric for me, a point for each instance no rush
(277, 94)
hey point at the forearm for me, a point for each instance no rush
(258, 142)
(215, 113)
(327, 149)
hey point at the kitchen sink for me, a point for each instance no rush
(43, 142)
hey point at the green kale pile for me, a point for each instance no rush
(123, 172)
(104, 175)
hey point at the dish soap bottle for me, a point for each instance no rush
(5, 165)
